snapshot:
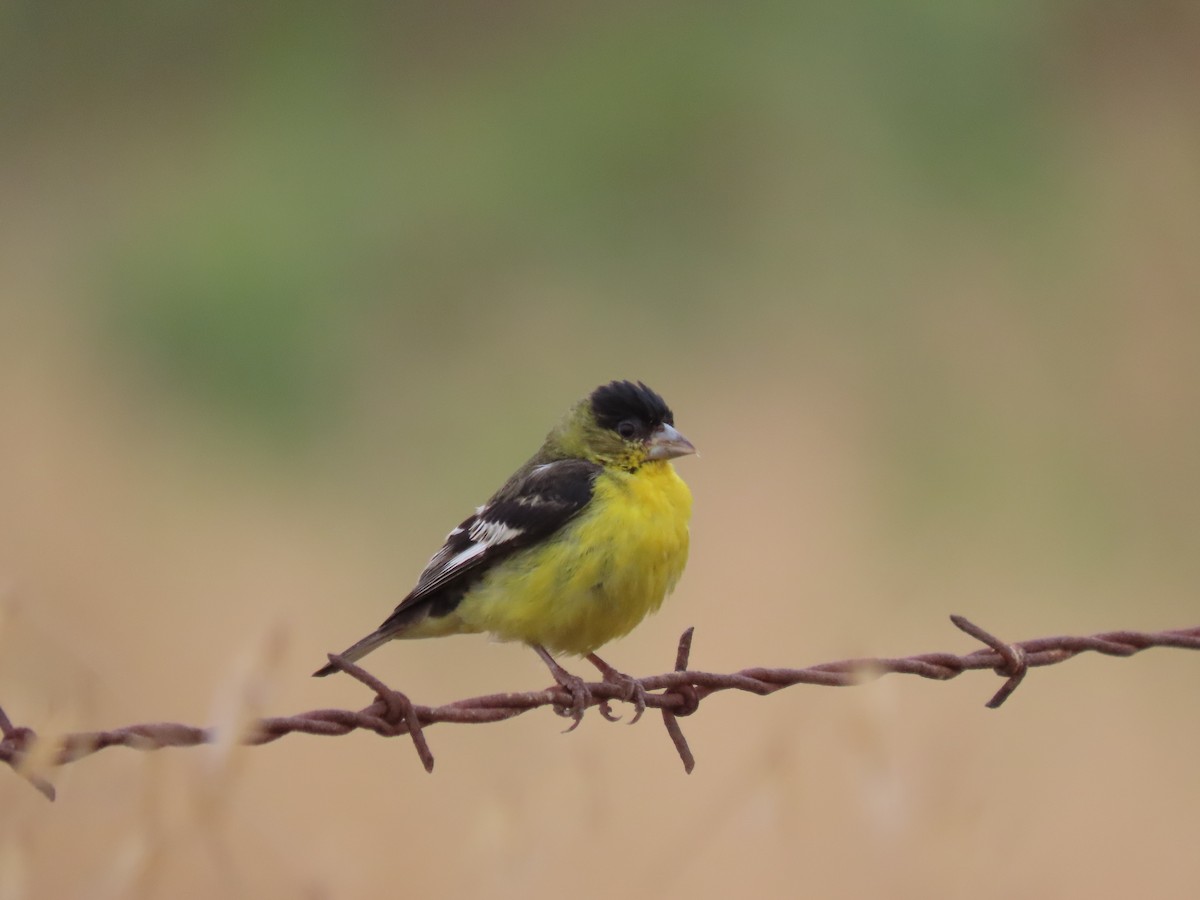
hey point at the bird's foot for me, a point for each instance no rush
(632, 690)
(581, 697)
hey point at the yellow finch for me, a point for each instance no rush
(579, 545)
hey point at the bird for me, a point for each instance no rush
(577, 547)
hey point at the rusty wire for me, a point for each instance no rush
(680, 692)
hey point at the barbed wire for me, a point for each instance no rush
(680, 692)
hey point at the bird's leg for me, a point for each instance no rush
(574, 685)
(634, 692)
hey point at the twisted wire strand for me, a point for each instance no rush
(675, 694)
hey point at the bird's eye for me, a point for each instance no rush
(627, 429)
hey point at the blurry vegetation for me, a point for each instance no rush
(281, 210)
(300, 173)
(287, 287)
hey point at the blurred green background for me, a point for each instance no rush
(287, 289)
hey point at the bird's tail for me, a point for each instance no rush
(358, 651)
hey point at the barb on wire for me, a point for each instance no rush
(676, 694)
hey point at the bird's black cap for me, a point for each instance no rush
(616, 401)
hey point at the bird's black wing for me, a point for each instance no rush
(527, 509)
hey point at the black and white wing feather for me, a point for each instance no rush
(528, 509)
(535, 503)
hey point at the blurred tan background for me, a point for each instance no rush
(285, 292)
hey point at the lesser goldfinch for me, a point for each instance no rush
(579, 545)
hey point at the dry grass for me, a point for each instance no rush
(131, 565)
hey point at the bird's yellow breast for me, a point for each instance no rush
(597, 578)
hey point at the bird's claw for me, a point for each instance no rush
(633, 692)
(631, 689)
(581, 698)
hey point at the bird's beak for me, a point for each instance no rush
(667, 443)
